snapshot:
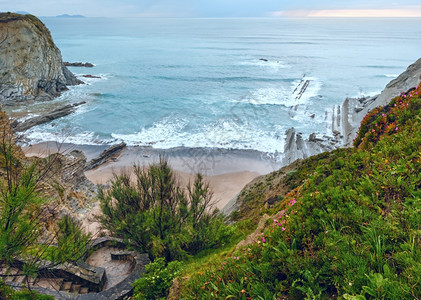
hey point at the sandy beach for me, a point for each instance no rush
(227, 171)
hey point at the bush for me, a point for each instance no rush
(8, 293)
(156, 216)
(351, 228)
(156, 282)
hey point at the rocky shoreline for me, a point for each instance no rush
(344, 120)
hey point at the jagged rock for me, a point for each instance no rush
(30, 63)
(349, 119)
(264, 59)
(78, 64)
(313, 138)
(105, 155)
(298, 148)
(45, 118)
(405, 81)
(90, 76)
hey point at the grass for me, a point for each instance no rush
(348, 225)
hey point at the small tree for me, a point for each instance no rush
(153, 213)
(22, 208)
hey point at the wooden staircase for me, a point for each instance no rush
(57, 284)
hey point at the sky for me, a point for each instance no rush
(217, 8)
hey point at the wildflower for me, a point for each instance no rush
(283, 228)
(243, 291)
(396, 128)
(263, 240)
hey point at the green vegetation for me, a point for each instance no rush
(156, 282)
(22, 208)
(156, 216)
(349, 226)
(10, 294)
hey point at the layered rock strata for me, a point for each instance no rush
(344, 120)
(31, 66)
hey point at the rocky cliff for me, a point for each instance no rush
(31, 66)
(343, 121)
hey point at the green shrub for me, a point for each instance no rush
(158, 217)
(156, 282)
(8, 293)
(351, 227)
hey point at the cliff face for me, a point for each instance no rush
(349, 115)
(344, 120)
(31, 66)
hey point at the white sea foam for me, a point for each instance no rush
(83, 138)
(391, 75)
(225, 134)
(165, 134)
(273, 65)
(287, 96)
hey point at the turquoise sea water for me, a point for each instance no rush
(202, 82)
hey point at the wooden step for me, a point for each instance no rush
(11, 271)
(20, 279)
(75, 288)
(54, 283)
(84, 290)
(66, 285)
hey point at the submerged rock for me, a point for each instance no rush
(47, 117)
(91, 76)
(78, 64)
(31, 66)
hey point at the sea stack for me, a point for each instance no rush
(31, 66)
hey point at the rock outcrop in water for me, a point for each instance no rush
(344, 120)
(31, 66)
(47, 117)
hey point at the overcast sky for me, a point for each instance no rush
(214, 8)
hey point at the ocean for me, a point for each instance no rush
(220, 83)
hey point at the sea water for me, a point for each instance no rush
(220, 83)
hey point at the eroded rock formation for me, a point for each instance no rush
(344, 120)
(31, 66)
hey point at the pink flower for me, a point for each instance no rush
(263, 240)
(283, 228)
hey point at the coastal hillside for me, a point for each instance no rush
(343, 224)
(30, 63)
